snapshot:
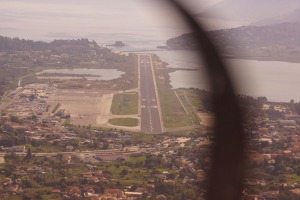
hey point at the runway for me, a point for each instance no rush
(150, 118)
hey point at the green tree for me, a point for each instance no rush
(28, 154)
(124, 172)
(105, 145)
(15, 119)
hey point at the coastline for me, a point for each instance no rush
(262, 58)
(269, 74)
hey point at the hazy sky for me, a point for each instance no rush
(47, 19)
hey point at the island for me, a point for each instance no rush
(118, 44)
(278, 42)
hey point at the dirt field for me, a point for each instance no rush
(86, 107)
(89, 107)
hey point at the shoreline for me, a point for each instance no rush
(169, 69)
(260, 58)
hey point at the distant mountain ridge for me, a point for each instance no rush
(280, 40)
(254, 11)
(16, 44)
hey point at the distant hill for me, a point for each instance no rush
(21, 58)
(16, 44)
(117, 44)
(251, 10)
(280, 40)
(287, 34)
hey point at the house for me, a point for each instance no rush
(133, 194)
(90, 193)
(6, 181)
(295, 138)
(13, 188)
(110, 157)
(287, 122)
(263, 130)
(56, 191)
(115, 193)
(296, 191)
(74, 191)
(287, 152)
(87, 175)
(17, 149)
(265, 140)
(69, 148)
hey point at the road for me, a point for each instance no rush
(150, 117)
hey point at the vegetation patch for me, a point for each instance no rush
(67, 122)
(80, 53)
(199, 99)
(187, 133)
(125, 104)
(138, 138)
(124, 122)
(292, 178)
(56, 108)
(173, 113)
(190, 109)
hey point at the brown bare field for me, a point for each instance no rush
(86, 107)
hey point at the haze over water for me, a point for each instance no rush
(104, 21)
(142, 26)
(278, 81)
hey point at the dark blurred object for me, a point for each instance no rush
(226, 176)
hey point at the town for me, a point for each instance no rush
(42, 155)
(54, 144)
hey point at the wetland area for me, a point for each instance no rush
(253, 77)
(84, 73)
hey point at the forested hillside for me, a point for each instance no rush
(281, 41)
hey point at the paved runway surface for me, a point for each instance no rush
(150, 119)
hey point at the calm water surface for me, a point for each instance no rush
(278, 81)
(90, 74)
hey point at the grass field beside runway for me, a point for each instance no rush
(123, 122)
(125, 104)
(173, 113)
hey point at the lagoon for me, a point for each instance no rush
(89, 74)
(278, 81)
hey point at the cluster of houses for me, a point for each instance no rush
(30, 100)
(32, 132)
(275, 151)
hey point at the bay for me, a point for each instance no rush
(278, 81)
(90, 74)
